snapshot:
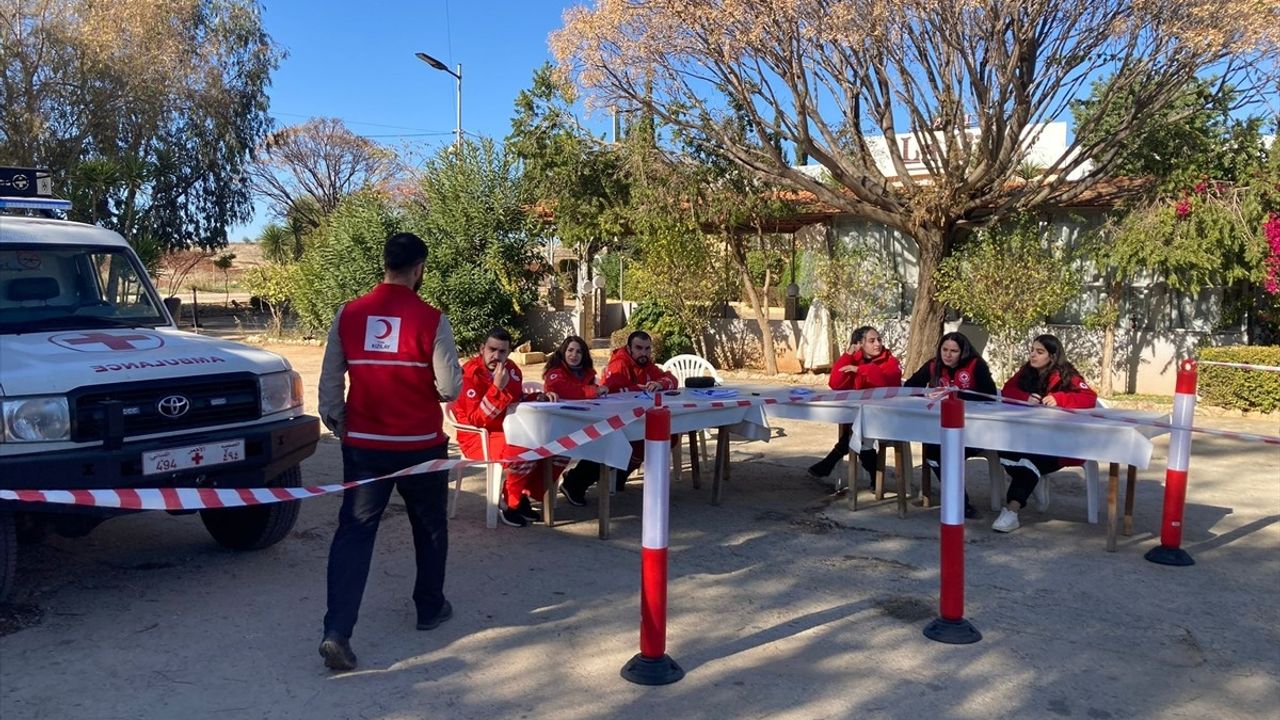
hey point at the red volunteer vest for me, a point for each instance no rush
(388, 337)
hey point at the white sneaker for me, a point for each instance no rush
(1007, 522)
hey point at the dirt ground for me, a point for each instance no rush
(783, 603)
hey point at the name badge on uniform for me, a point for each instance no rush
(382, 334)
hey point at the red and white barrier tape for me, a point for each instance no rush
(210, 498)
(1240, 366)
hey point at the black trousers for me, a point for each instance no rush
(426, 499)
(1025, 470)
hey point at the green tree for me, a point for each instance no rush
(481, 240)
(163, 101)
(1009, 278)
(279, 244)
(223, 263)
(345, 259)
(575, 180)
(1198, 221)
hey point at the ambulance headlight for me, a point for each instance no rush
(37, 419)
(280, 391)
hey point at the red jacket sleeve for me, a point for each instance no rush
(617, 377)
(839, 379)
(887, 373)
(663, 377)
(1080, 396)
(1012, 391)
(482, 404)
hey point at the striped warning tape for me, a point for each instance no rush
(210, 498)
(1239, 366)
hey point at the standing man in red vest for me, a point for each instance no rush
(402, 360)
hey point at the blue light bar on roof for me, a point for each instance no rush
(33, 203)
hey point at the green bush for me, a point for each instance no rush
(1242, 389)
(669, 339)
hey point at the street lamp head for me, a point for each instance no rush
(432, 62)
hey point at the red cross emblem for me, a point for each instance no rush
(103, 341)
(196, 457)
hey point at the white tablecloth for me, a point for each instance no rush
(1018, 428)
(534, 424)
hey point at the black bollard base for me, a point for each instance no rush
(652, 671)
(1162, 555)
(952, 632)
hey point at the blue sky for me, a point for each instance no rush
(355, 61)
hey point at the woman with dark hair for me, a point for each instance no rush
(569, 372)
(956, 364)
(1047, 378)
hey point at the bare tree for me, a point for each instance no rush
(306, 170)
(922, 112)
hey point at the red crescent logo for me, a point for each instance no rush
(386, 331)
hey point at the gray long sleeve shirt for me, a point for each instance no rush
(333, 373)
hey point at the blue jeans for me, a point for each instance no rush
(426, 499)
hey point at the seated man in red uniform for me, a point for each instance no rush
(491, 384)
(630, 369)
(865, 364)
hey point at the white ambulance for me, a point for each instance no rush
(99, 389)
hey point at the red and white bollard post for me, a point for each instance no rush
(950, 626)
(1170, 551)
(652, 666)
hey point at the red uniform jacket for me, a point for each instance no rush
(881, 371)
(388, 338)
(570, 385)
(481, 403)
(623, 374)
(1077, 393)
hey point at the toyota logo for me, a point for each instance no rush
(174, 406)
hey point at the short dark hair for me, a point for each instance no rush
(499, 334)
(861, 333)
(402, 251)
(638, 334)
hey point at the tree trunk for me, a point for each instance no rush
(739, 255)
(1106, 385)
(926, 310)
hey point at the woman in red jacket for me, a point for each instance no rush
(569, 373)
(865, 364)
(1046, 379)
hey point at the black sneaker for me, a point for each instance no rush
(337, 653)
(445, 612)
(512, 517)
(574, 495)
(525, 508)
(820, 471)
(970, 512)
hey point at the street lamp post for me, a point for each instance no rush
(458, 77)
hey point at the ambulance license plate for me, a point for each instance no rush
(196, 456)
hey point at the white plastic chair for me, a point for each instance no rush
(1000, 483)
(492, 471)
(687, 366)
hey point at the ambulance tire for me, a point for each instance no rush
(8, 552)
(257, 526)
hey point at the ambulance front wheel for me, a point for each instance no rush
(257, 526)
